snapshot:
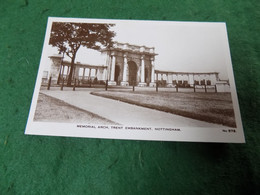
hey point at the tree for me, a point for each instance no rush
(69, 37)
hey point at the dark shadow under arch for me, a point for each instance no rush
(117, 73)
(132, 77)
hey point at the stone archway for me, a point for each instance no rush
(139, 57)
(132, 75)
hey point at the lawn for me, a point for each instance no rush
(50, 109)
(210, 107)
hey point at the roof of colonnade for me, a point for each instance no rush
(172, 72)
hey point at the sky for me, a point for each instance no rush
(181, 46)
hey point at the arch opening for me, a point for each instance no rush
(117, 74)
(132, 77)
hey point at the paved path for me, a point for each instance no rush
(124, 113)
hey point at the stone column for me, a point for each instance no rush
(191, 80)
(68, 71)
(124, 82)
(112, 78)
(89, 74)
(98, 74)
(83, 75)
(152, 83)
(96, 70)
(142, 70)
(142, 84)
(169, 80)
(108, 64)
(112, 72)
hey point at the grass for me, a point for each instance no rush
(210, 107)
(50, 109)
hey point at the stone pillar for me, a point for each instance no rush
(124, 82)
(98, 74)
(191, 80)
(89, 74)
(68, 71)
(96, 70)
(152, 83)
(108, 65)
(142, 84)
(142, 70)
(83, 73)
(169, 80)
(112, 73)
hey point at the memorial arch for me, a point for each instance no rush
(129, 64)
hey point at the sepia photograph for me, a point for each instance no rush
(129, 79)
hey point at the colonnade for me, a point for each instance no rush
(191, 78)
(64, 71)
(82, 73)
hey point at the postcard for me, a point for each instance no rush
(136, 80)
